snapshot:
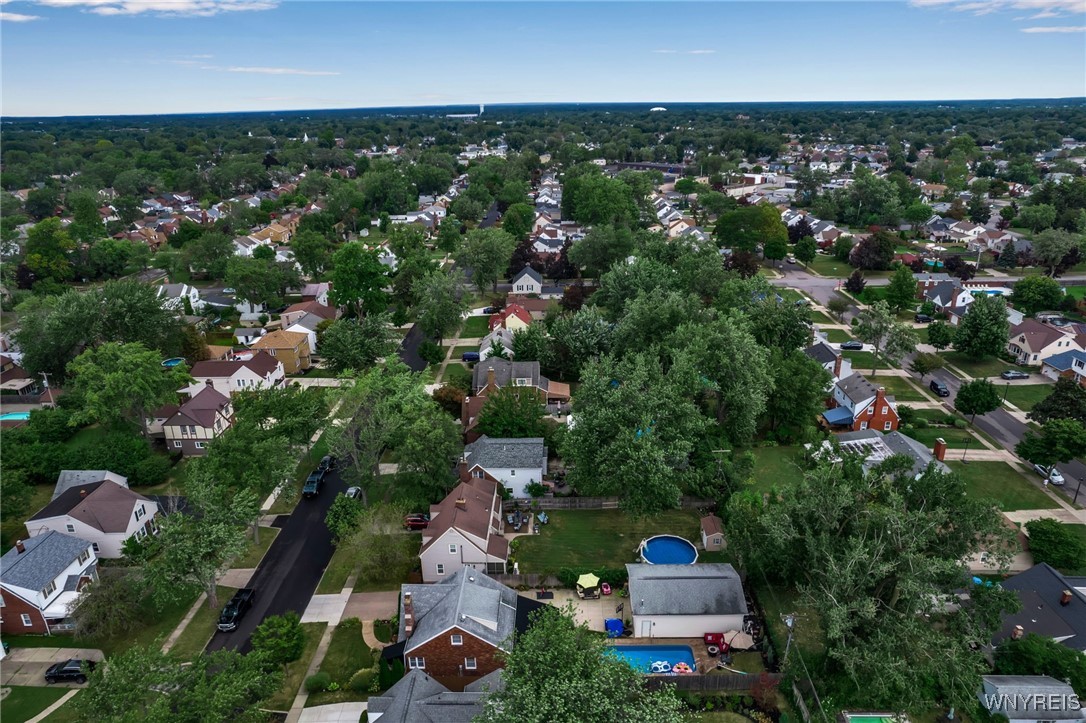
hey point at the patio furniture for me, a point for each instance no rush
(605, 589)
(544, 595)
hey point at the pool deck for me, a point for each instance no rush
(702, 662)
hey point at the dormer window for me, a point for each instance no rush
(49, 589)
(522, 382)
(83, 557)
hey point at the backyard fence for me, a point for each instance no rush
(532, 580)
(591, 503)
(723, 683)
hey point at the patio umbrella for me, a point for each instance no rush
(587, 581)
(738, 640)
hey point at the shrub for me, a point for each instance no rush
(318, 682)
(1053, 542)
(535, 489)
(431, 353)
(960, 424)
(920, 423)
(362, 680)
(907, 414)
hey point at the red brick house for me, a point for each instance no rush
(39, 580)
(858, 404)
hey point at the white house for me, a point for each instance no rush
(103, 513)
(515, 463)
(228, 376)
(685, 601)
(40, 578)
(1032, 342)
(465, 531)
(173, 297)
(528, 281)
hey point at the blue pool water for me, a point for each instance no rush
(641, 657)
(171, 363)
(668, 550)
(14, 415)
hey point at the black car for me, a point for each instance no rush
(1013, 374)
(73, 670)
(491, 310)
(235, 609)
(852, 346)
(327, 463)
(922, 319)
(939, 388)
(314, 482)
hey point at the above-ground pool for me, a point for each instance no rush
(641, 657)
(8, 416)
(171, 363)
(668, 550)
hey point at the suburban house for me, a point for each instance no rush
(246, 335)
(499, 337)
(512, 317)
(712, 533)
(70, 478)
(875, 447)
(515, 463)
(418, 697)
(15, 381)
(1029, 698)
(289, 347)
(262, 371)
(858, 404)
(528, 281)
(317, 292)
(1070, 364)
(1052, 607)
(174, 296)
(536, 308)
(308, 322)
(455, 628)
(294, 312)
(949, 296)
(1032, 342)
(39, 579)
(204, 417)
(103, 513)
(831, 360)
(465, 531)
(685, 601)
(495, 373)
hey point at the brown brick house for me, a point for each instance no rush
(289, 347)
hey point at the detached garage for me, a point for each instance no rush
(685, 601)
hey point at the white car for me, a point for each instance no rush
(230, 291)
(1054, 475)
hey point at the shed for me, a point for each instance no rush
(685, 601)
(712, 533)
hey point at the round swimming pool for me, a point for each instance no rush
(171, 363)
(668, 550)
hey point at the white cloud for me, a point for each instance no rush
(684, 52)
(275, 71)
(1056, 29)
(1043, 8)
(17, 17)
(166, 8)
(666, 52)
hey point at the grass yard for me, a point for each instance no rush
(66, 713)
(777, 467)
(1000, 482)
(12, 527)
(987, 367)
(817, 317)
(791, 295)
(829, 266)
(457, 374)
(475, 327)
(384, 632)
(335, 575)
(901, 388)
(597, 538)
(837, 336)
(777, 602)
(198, 632)
(955, 438)
(1026, 396)
(295, 676)
(255, 552)
(862, 361)
(461, 349)
(25, 702)
(347, 654)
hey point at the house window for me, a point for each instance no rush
(27, 622)
(95, 546)
(886, 427)
(141, 511)
(512, 473)
(863, 425)
(69, 528)
(177, 444)
(520, 287)
(477, 473)
(440, 569)
(452, 549)
(457, 639)
(885, 409)
(83, 557)
(469, 664)
(199, 445)
(522, 382)
(49, 589)
(416, 663)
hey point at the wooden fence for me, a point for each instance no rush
(590, 503)
(718, 683)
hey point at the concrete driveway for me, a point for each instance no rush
(27, 666)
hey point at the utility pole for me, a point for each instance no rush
(790, 623)
(45, 376)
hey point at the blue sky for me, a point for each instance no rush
(79, 57)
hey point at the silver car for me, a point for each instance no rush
(1054, 475)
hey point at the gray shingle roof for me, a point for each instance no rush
(878, 447)
(821, 352)
(505, 371)
(699, 589)
(1039, 588)
(78, 477)
(45, 557)
(857, 388)
(418, 698)
(1029, 697)
(531, 274)
(506, 453)
(469, 600)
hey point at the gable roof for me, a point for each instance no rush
(45, 557)
(1064, 361)
(261, 363)
(312, 307)
(105, 506)
(202, 408)
(75, 477)
(507, 453)
(468, 600)
(502, 316)
(712, 525)
(701, 589)
(418, 698)
(1038, 335)
(530, 273)
(280, 339)
(1028, 697)
(822, 353)
(857, 388)
(506, 371)
(1039, 589)
(877, 447)
(481, 503)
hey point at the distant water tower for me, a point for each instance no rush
(481, 108)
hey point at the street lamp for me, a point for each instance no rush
(1006, 392)
(967, 441)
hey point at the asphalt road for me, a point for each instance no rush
(409, 349)
(289, 573)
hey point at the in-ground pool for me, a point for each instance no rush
(171, 363)
(641, 657)
(8, 416)
(668, 550)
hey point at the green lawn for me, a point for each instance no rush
(862, 360)
(777, 467)
(335, 575)
(791, 295)
(597, 538)
(458, 374)
(347, 654)
(25, 702)
(198, 632)
(817, 317)
(1026, 396)
(955, 438)
(295, 676)
(829, 266)
(255, 552)
(66, 713)
(777, 602)
(901, 388)
(383, 631)
(1000, 482)
(837, 336)
(987, 367)
(459, 351)
(475, 327)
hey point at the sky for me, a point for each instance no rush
(112, 57)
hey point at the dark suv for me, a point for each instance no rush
(327, 463)
(70, 670)
(939, 388)
(235, 609)
(922, 319)
(314, 482)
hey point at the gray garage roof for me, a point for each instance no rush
(507, 453)
(44, 558)
(699, 589)
(418, 698)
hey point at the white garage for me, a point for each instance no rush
(685, 601)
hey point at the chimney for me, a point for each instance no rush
(1065, 598)
(490, 377)
(880, 395)
(1018, 633)
(462, 503)
(20, 546)
(408, 615)
(837, 367)
(83, 492)
(939, 452)
(462, 470)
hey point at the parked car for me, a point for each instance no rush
(791, 259)
(354, 492)
(1052, 474)
(852, 346)
(416, 522)
(229, 291)
(73, 670)
(314, 482)
(922, 319)
(491, 310)
(327, 463)
(940, 389)
(235, 610)
(1014, 374)
(470, 356)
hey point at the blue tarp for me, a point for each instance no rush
(613, 627)
(837, 415)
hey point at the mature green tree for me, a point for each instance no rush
(1039, 655)
(1037, 217)
(122, 382)
(518, 220)
(601, 248)
(940, 335)
(1067, 400)
(188, 554)
(381, 550)
(448, 234)
(1049, 247)
(512, 412)
(342, 517)
(109, 257)
(781, 325)
(312, 251)
(145, 684)
(978, 208)
(806, 250)
(901, 293)
(1060, 440)
(1057, 544)
(798, 397)
(42, 203)
(111, 607)
(291, 412)
(1008, 257)
(430, 445)
(917, 214)
(1036, 293)
(358, 280)
(595, 200)
(15, 492)
(876, 252)
(979, 396)
(48, 251)
(208, 255)
(775, 248)
(441, 302)
(349, 346)
(258, 281)
(532, 344)
(560, 672)
(875, 598)
(837, 306)
(984, 330)
(842, 248)
(924, 363)
(279, 639)
(746, 228)
(486, 252)
(877, 325)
